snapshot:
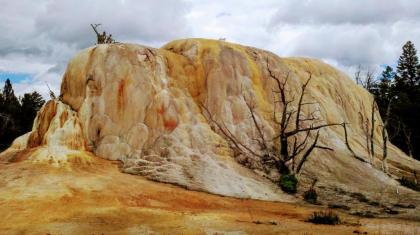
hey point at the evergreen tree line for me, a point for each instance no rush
(16, 114)
(397, 94)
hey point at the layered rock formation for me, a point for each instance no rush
(145, 107)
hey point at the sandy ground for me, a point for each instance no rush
(97, 198)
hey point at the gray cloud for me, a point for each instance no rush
(39, 37)
(342, 12)
(341, 43)
(146, 21)
(348, 33)
(44, 35)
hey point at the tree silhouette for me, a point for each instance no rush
(408, 67)
(16, 116)
(31, 103)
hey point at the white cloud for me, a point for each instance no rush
(40, 37)
(345, 12)
(148, 21)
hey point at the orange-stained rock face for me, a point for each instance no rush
(41, 125)
(58, 126)
(143, 106)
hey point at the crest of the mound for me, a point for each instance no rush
(144, 107)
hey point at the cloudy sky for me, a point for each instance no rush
(39, 37)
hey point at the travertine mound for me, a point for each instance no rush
(143, 106)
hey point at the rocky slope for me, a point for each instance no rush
(146, 108)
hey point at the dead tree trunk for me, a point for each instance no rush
(385, 138)
(357, 75)
(407, 135)
(284, 134)
(348, 144)
(384, 149)
(366, 131)
(372, 131)
(309, 151)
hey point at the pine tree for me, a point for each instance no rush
(16, 116)
(9, 124)
(2, 117)
(384, 85)
(408, 68)
(383, 89)
(31, 103)
(1, 101)
(11, 102)
(406, 105)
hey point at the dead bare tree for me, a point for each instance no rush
(369, 80)
(289, 153)
(407, 134)
(238, 145)
(365, 77)
(50, 92)
(367, 134)
(368, 127)
(357, 75)
(385, 135)
(346, 141)
(102, 38)
(372, 129)
(385, 138)
(294, 148)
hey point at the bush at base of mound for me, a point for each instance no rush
(288, 183)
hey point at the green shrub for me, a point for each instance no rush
(310, 196)
(407, 182)
(324, 217)
(288, 183)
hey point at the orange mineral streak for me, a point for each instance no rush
(170, 124)
(73, 86)
(44, 119)
(121, 94)
(63, 118)
(161, 109)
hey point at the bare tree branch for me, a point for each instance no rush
(293, 132)
(372, 129)
(254, 119)
(302, 93)
(407, 135)
(226, 132)
(284, 135)
(348, 144)
(307, 153)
